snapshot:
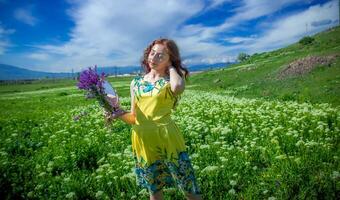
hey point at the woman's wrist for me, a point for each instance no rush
(117, 113)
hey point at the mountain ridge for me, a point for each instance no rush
(10, 72)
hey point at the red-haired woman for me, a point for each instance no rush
(157, 142)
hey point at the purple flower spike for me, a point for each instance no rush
(90, 81)
(89, 78)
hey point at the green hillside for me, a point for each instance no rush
(257, 77)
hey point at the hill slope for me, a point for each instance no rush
(9, 72)
(258, 77)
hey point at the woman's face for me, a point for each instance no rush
(158, 58)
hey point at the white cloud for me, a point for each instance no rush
(3, 46)
(215, 4)
(115, 33)
(39, 56)
(196, 43)
(4, 40)
(249, 10)
(25, 15)
(252, 9)
(239, 39)
(321, 22)
(291, 28)
(110, 33)
(282, 32)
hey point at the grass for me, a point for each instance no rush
(249, 135)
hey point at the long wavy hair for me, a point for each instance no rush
(173, 51)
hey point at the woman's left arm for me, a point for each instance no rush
(176, 81)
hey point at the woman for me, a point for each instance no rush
(157, 143)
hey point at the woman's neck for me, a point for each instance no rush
(153, 74)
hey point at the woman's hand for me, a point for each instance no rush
(169, 68)
(111, 116)
(113, 101)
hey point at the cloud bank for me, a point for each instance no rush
(110, 33)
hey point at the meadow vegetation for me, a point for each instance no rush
(249, 134)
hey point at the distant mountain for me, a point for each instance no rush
(204, 67)
(138, 69)
(8, 72)
(116, 70)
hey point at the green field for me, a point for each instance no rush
(249, 134)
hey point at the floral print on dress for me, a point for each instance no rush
(145, 88)
(165, 173)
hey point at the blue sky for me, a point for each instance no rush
(58, 36)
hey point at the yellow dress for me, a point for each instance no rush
(158, 145)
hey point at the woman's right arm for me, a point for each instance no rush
(130, 117)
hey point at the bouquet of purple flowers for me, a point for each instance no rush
(97, 87)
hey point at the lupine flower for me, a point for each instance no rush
(89, 79)
(93, 83)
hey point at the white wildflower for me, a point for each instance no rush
(335, 175)
(232, 191)
(99, 194)
(70, 195)
(209, 169)
(205, 146)
(233, 183)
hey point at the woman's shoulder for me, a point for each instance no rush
(136, 79)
